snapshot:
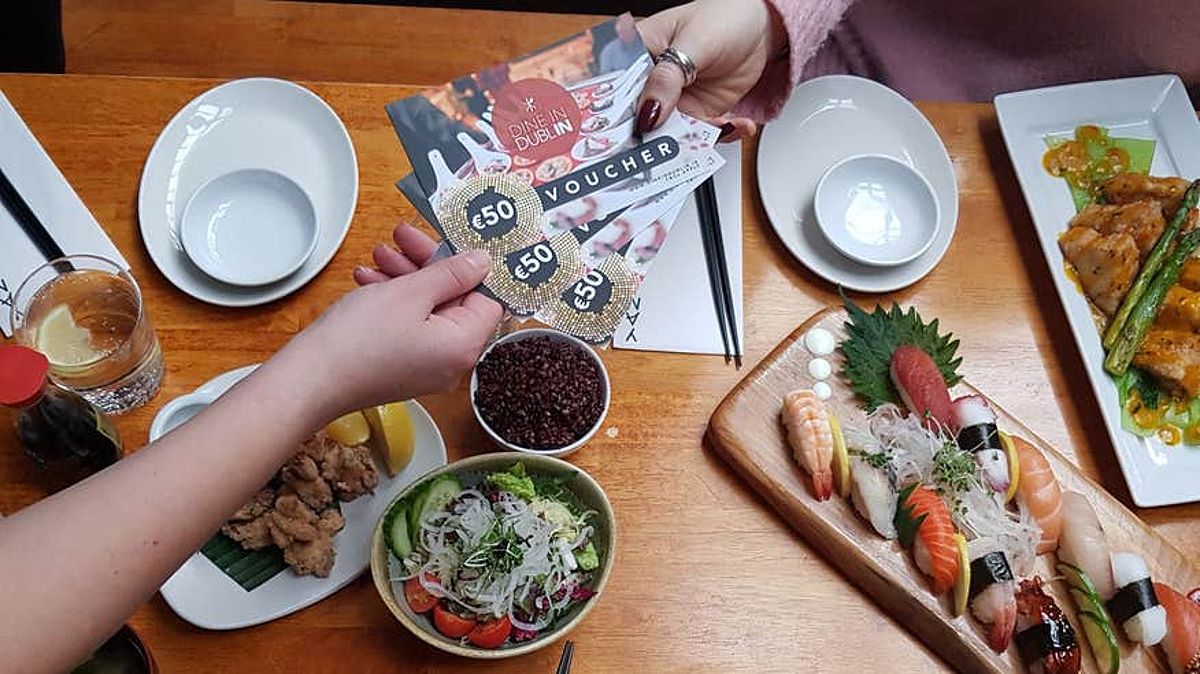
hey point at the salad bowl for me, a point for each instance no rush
(388, 573)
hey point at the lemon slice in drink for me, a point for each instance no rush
(392, 429)
(63, 342)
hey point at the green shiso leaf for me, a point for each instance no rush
(872, 338)
(906, 524)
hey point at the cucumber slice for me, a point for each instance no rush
(415, 504)
(1077, 579)
(441, 492)
(1100, 636)
(395, 529)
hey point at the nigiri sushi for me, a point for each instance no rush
(921, 385)
(1182, 643)
(975, 426)
(992, 597)
(1082, 543)
(1135, 606)
(1039, 491)
(1045, 638)
(923, 521)
(874, 495)
(811, 438)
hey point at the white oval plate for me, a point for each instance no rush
(204, 596)
(250, 123)
(826, 120)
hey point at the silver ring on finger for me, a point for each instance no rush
(681, 60)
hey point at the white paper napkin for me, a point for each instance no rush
(47, 192)
(674, 310)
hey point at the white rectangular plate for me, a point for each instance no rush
(1157, 108)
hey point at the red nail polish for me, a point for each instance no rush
(726, 129)
(647, 116)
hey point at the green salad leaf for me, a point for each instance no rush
(515, 481)
(587, 558)
(872, 338)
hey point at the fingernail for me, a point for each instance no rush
(647, 116)
(478, 259)
(726, 129)
(359, 270)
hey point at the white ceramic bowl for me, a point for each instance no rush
(557, 336)
(877, 210)
(249, 227)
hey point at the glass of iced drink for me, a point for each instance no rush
(85, 313)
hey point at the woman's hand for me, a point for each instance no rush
(414, 328)
(731, 42)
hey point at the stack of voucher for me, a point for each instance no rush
(535, 161)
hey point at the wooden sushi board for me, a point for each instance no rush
(746, 431)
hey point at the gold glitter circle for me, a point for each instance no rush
(452, 213)
(591, 326)
(522, 298)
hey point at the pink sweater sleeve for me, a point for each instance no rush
(808, 23)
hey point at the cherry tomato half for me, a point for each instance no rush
(451, 624)
(419, 599)
(492, 633)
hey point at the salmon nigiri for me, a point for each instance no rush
(923, 520)
(1183, 630)
(1039, 491)
(811, 438)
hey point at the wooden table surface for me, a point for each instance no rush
(707, 577)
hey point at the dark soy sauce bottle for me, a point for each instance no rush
(65, 436)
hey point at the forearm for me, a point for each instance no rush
(805, 25)
(76, 565)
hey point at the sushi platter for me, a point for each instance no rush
(747, 431)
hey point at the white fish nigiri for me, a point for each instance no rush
(874, 495)
(1135, 605)
(1082, 543)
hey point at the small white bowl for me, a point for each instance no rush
(249, 228)
(877, 210)
(557, 336)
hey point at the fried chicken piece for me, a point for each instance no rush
(1173, 357)
(260, 504)
(331, 522)
(301, 477)
(350, 471)
(313, 557)
(317, 447)
(292, 521)
(253, 534)
(1142, 220)
(1127, 188)
(1105, 264)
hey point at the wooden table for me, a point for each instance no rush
(707, 577)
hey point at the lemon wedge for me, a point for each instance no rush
(351, 429)
(393, 433)
(1014, 466)
(841, 459)
(63, 342)
(962, 586)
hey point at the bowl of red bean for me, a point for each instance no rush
(540, 391)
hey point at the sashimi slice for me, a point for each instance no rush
(921, 386)
(1182, 643)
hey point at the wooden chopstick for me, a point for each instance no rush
(708, 192)
(704, 209)
(28, 220)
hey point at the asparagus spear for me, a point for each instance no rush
(1153, 262)
(1147, 307)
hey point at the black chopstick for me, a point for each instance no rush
(28, 220)
(710, 224)
(564, 663)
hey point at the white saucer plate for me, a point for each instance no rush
(251, 123)
(826, 120)
(204, 596)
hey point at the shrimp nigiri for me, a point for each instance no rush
(1183, 630)
(1039, 491)
(993, 601)
(1083, 544)
(811, 438)
(924, 521)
